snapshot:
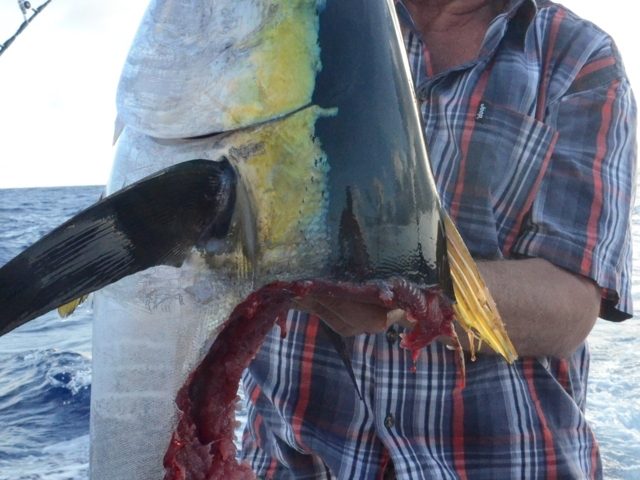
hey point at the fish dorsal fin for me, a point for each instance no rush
(475, 308)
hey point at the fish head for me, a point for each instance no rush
(303, 97)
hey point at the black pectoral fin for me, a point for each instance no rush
(155, 221)
(344, 349)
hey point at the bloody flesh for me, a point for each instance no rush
(201, 446)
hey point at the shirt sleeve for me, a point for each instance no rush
(580, 219)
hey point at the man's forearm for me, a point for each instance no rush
(547, 310)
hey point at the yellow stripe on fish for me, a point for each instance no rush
(284, 59)
(285, 172)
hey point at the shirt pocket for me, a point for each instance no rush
(504, 156)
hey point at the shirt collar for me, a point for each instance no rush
(517, 15)
(527, 8)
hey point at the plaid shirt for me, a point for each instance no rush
(533, 150)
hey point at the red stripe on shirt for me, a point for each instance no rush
(385, 459)
(596, 204)
(474, 104)
(272, 468)
(428, 65)
(546, 71)
(255, 393)
(595, 66)
(257, 425)
(458, 424)
(310, 335)
(547, 435)
(513, 234)
(563, 374)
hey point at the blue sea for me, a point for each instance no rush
(45, 366)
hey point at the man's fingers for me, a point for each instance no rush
(395, 316)
(399, 317)
(347, 318)
(327, 315)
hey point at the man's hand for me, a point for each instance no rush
(547, 311)
(349, 318)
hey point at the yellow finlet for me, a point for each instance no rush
(475, 309)
(68, 308)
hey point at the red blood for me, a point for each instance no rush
(201, 446)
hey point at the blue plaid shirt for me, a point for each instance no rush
(532, 146)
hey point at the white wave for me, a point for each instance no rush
(68, 460)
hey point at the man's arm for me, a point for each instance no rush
(547, 310)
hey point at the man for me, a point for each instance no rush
(541, 194)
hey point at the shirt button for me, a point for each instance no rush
(389, 421)
(392, 335)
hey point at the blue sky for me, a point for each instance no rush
(57, 90)
(58, 81)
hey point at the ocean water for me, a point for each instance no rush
(45, 366)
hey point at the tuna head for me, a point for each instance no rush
(318, 118)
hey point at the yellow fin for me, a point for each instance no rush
(68, 308)
(475, 309)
